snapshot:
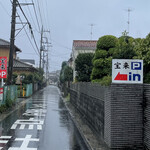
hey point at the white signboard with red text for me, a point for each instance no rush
(3, 67)
(127, 71)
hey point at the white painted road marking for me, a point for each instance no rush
(30, 127)
(4, 140)
(35, 112)
(25, 143)
(31, 122)
(22, 126)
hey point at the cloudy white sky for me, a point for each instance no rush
(70, 20)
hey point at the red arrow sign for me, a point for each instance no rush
(121, 77)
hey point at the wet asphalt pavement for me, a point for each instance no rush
(43, 123)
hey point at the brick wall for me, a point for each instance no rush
(115, 112)
(126, 116)
(147, 116)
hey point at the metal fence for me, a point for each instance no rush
(12, 92)
(25, 90)
(29, 90)
(9, 93)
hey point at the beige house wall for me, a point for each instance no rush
(5, 52)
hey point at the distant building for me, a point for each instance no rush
(81, 46)
(54, 77)
(4, 49)
(20, 67)
(30, 61)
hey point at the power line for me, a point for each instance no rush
(29, 27)
(28, 36)
(31, 15)
(36, 15)
(47, 12)
(44, 15)
(4, 9)
(40, 12)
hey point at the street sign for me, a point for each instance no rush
(127, 71)
(3, 67)
(1, 94)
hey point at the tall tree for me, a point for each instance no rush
(83, 67)
(142, 49)
(125, 47)
(66, 73)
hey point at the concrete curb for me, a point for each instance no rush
(78, 127)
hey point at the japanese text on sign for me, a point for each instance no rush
(127, 71)
(3, 67)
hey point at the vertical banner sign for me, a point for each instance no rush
(127, 71)
(1, 94)
(3, 67)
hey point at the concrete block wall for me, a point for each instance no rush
(147, 116)
(115, 112)
(124, 117)
(88, 98)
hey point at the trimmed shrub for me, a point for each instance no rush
(106, 42)
(99, 63)
(100, 54)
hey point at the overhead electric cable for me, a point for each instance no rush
(36, 16)
(29, 26)
(28, 36)
(31, 15)
(40, 12)
(44, 14)
(4, 9)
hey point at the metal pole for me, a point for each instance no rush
(12, 40)
(41, 47)
(43, 65)
(2, 82)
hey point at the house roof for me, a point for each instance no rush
(31, 61)
(6, 44)
(85, 44)
(19, 65)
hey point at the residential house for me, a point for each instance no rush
(4, 49)
(28, 61)
(81, 46)
(18, 66)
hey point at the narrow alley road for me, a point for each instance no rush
(43, 123)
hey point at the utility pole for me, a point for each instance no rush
(45, 50)
(47, 65)
(41, 47)
(12, 41)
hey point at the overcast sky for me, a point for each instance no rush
(70, 20)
